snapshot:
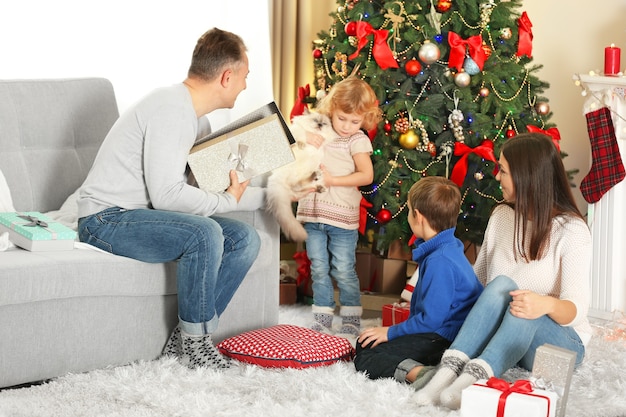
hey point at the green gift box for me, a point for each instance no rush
(36, 232)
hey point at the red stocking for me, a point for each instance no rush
(606, 167)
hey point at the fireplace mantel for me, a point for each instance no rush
(607, 217)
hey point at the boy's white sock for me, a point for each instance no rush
(451, 366)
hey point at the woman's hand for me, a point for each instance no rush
(373, 335)
(529, 305)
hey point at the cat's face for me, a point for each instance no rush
(316, 123)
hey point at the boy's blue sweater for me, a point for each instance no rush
(445, 291)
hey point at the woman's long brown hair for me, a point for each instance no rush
(542, 190)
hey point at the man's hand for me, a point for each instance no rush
(236, 188)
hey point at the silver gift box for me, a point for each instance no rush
(253, 149)
(552, 370)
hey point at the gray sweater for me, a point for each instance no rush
(142, 161)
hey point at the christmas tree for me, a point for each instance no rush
(454, 80)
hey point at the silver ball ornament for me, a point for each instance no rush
(462, 79)
(429, 53)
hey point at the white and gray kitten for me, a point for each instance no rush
(293, 181)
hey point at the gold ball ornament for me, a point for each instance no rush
(484, 92)
(409, 139)
(542, 108)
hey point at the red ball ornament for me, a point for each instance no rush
(350, 28)
(443, 5)
(317, 53)
(387, 127)
(432, 149)
(510, 132)
(412, 67)
(383, 216)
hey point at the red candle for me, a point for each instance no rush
(611, 60)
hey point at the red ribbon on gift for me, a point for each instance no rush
(304, 267)
(553, 132)
(381, 51)
(459, 47)
(522, 386)
(300, 104)
(525, 37)
(484, 150)
(363, 214)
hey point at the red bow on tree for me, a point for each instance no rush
(300, 104)
(522, 386)
(458, 49)
(525, 37)
(484, 150)
(553, 132)
(381, 51)
(363, 214)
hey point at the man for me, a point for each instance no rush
(137, 202)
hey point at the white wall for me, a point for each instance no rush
(137, 44)
(569, 38)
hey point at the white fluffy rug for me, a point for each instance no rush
(164, 388)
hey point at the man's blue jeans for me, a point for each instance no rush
(332, 251)
(213, 254)
(491, 333)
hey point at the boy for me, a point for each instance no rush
(444, 294)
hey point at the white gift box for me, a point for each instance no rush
(480, 400)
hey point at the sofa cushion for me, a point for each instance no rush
(38, 276)
(51, 132)
(287, 346)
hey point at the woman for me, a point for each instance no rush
(534, 261)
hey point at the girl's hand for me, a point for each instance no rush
(314, 139)
(328, 179)
(373, 335)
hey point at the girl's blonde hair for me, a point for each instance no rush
(352, 96)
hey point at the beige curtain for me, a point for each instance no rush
(294, 26)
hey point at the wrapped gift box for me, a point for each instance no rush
(288, 292)
(395, 313)
(553, 368)
(380, 275)
(252, 146)
(481, 400)
(36, 232)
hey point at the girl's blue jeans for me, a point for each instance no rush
(332, 252)
(213, 255)
(490, 332)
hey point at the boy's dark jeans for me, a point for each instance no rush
(383, 360)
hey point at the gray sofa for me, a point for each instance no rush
(74, 311)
